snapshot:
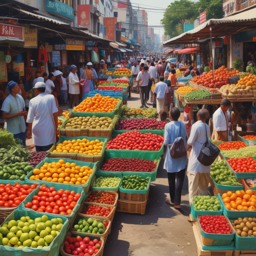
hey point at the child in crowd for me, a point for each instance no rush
(164, 118)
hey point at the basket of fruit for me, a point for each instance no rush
(106, 198)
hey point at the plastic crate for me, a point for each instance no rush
(241, 175)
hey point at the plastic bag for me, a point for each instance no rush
(94, 57)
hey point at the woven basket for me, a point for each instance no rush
(110, 192)
(132, 206)
(133, 197)
(73, 133)
(86, 205)
(85, 158)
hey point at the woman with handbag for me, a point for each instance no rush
(176, 160)
(198, 174)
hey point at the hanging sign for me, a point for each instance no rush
(9, 31)
(64, 59)
(202, 17)
(30, 37)
(76, 45)
(56, 58)
(7, 58)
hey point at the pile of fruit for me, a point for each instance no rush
(82, 246)
(234, 89)
(128, 165)
(249, 137)
(134, 182)
(109, 73)
(106, 182)
(206, 203)
(89, 122)
(62, 172)
(65, 113)
(12, 196)
(136, 141)
(232, 145)
(197, 95)
(59, 122)
(96, 210)
(140, 124)
(120, 81)
(16, 171)
(221, 76)
(101, 197)
(239, 200)
(26, 232)
(97, 103)
(247, 164)
(51, 201)
(81, 146)
(245, 227)
(249, 81)
(37, 157)
(103, 82)
(240, 153)
(223, 175)
(122, 72)
(110, 88)
(185, 90)
(215, 224)
(91, 226)
(138, 112)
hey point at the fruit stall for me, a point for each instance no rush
(64, 201)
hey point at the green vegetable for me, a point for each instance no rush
(206, 69)
(206, 203)
(106, 182)
(222, 175)
(240, 153)
(90, 225)
(134, 182)
(6, 138)
(237, 64)
(196, 95)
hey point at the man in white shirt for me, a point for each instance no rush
(159, 94)
(42, 118)
(144, 78)
(49, 84)
(135, 72)
(220, 121)
(64, 88)
(38, 74)
(74, 86)
(153, 73)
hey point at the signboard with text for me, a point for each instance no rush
(56, 58)
(110, 24)
(75, 45)
(10, 31)
(59, 8)
(30, 37)
(59, 47)
(202, 17)
(83, 15)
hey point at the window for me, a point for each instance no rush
(67, 2)
(116, 14)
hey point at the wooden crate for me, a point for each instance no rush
(134, 197)
(199, 244)
(244, 253)
(131, 206)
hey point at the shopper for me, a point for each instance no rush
(135, 72)
(160, 94)
(81, 70)
(175, 167)
(198, 174)
(220, 121)
(172, 77)
(153, 73)
(144, 78)
(42, 118)
(58, 83)
(13, 112)
(169, 94)
(74, 89)
(50, 84)
(38, 74)
(64, 88)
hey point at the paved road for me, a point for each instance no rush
(162, 231)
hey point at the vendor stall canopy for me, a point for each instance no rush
(230, 25)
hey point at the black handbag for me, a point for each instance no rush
(208, 152)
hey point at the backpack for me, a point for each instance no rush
(208, 152)
(178, 147)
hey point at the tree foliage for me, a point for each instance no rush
(186, 11)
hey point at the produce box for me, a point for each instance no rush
(110, 175)
(246, 141)
(134, 113)
(244, 243)
(247, 187)
(140, 155)
(195, 213)
(99, 253)
(99, 200)
(52, 250)
(132, 206)
(78, 156)
(235, 214)
(115, 111)
(159, 132)
(212, 239)
(85, 187)
(57, 186)
(106, 229)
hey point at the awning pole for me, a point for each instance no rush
(211, 53)
(230, 52)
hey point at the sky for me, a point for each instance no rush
(154, 16)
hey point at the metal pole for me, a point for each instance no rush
(211, 53)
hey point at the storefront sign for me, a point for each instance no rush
(90, 43)
(10, 31)
(75, 45)
(30, 37)
(110, 24)
(7, 58)
(59, 47)
(56, 58)
(59, 8)
(3, 68)
(64, 58)
(238, 51)
(202, 17)
(83, 15)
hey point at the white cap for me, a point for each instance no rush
(89, 64)
(39, 85)
(102, 62)
(57, 72)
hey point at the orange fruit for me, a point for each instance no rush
(245, 208)
(238, 193)
(239, 207)
(249, 192)
(226, 200)
(229, 193)
(233, 197)
(246, 197)
(228, 206)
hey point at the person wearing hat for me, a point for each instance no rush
(153, 73)
(58, 83)
(74, 89)
(103, 68)
(64, 88)
(50, 84)
(220, 121)
(89, 74)
(42, 118)
(13, 112)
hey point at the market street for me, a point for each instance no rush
(161, 231)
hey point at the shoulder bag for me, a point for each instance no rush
(208, 152)
(178, 147)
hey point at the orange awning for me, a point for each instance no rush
(186, 50)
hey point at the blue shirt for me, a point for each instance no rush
(95, 76)
(172, 131)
